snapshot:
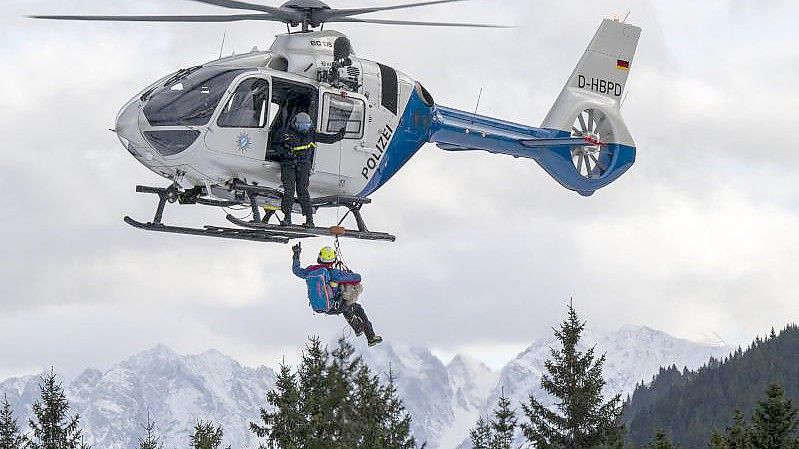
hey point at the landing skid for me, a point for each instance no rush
(256, 230)
(334, 231)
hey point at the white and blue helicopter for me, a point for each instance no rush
(208, 128)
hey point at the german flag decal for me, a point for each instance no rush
(622, 64)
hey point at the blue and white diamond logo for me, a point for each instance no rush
(244, 142)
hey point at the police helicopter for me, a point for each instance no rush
(209, 128)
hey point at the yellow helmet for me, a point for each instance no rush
(327, 255)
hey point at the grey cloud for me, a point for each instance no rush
(697, 235)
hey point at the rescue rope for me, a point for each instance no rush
(337, 244)
(340, 264)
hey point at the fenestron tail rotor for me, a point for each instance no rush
(591, 161)
(306, 13)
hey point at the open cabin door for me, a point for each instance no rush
(241, 127)
(336, 164)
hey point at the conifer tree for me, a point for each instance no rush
(51, 425)
(481, 435)
(150, 440)
(206, 436)
(739, 435)
(333, 402)
(615, 437)
(340, 423)
(661, 441)
(774, 421)
(503, 425)
(369, 407)
(397, 421)
(285, 428)
(10, 435)
(574, 378)
(717, 441)
(313, 391)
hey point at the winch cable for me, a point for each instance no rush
(339, 220)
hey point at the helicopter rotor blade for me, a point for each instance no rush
(413, 23)
(204, 18)
(356, 11)
(283, 13)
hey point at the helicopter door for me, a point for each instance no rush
(337, 162)
(242, 125)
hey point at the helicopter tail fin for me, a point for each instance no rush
(599, 80)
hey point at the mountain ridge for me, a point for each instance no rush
(444, 399)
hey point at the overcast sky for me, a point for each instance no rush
(699, 236)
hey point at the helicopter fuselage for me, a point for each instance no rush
(209, 125)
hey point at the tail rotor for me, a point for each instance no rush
(591, 161)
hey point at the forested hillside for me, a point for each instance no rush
(689, 405)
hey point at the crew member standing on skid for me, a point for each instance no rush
(296, 157)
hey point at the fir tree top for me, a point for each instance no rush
(10, 435)
(51, 425)
(774, 422)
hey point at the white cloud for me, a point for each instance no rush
(698, 235)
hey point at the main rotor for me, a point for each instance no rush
(308, 14)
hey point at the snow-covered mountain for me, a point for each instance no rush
(444, 400)
(471, 382)
(177, 390)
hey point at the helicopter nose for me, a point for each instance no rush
(127, 128)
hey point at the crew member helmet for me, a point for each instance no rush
(302, 122)
(327, 255)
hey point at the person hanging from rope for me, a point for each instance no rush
(297, 145)
(335, 291)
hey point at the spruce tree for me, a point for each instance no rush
(661, 441)
(333, 402)
(206, 436)
(396, 422)
(774, 421)
(341, 425)
(615, 437)
(150, 440)
(51, 425)
(369, 408)
(285, 428)
(312, 387)
(739, 435)
(574, 378)
(481, 435)
(10, 435)
(717, 441)
(503, 425)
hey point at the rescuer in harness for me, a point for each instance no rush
(334, 292)
(297, 145)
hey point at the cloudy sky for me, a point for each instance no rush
(699, 237)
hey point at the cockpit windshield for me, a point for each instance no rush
(189, 98)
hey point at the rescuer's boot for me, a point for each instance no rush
(375, 340)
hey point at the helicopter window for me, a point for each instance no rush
(344, 112)
(189, 100)
(248, 107)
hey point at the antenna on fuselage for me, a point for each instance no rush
(222, 47)
(477, 106)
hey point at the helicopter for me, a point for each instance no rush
(209, 129)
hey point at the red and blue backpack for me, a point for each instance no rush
(320, 294)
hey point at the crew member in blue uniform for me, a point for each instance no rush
(298, 143)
